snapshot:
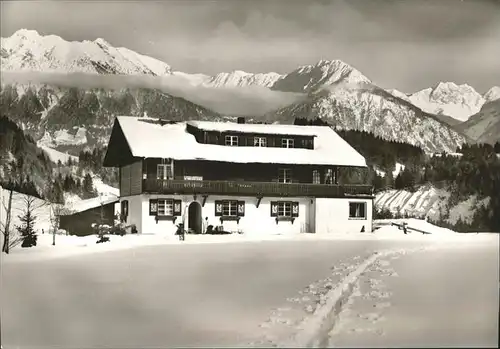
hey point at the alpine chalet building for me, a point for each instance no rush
(246, 178)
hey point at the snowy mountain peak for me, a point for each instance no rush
(448, 98)
(27, 50)
(239, 78)
(493, 94)
(308, 78)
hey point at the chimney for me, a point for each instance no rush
(240, 120)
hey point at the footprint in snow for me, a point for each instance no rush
(382, 305)
(372, 317)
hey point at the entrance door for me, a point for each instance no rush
(194, 217)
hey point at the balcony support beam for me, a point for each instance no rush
(259, 198)
(204, 200)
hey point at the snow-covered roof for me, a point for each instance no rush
(84, 205)
(256, 128)
(148, 138)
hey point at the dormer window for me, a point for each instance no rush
(287, 143)
(259, 142)
(232, 140)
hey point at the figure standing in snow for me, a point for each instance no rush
(204, 226)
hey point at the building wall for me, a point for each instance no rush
(134, 210)
(317, 215)
(256, 220)
(80, 223)
(332, 216)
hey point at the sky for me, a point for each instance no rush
(404, 44)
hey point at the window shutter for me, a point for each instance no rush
(177, 208)
(295, 209)
(241, 208)
(218, 208)
(274, 209)
(153, 207)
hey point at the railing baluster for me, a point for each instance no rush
(254, 188)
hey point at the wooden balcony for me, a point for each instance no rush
(255, 188)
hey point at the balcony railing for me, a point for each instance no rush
(254, 188)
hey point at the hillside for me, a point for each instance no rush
(368, 108)
(71, 119)
(484, 127)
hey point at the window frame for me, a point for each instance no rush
(287, 143)
(167, 203)
(330, 176)
(229, 140)
(283, 208)
(229, 208)
(165, 172)
(284, 178)
(316, 177)
(259, 141)
(357, 215)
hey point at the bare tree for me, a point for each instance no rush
(9, 239)
(55, 219)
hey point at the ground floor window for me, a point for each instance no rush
(284, 209)
(229, 208)
(357, 210)
(165, 207)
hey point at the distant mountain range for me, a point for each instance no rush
(333, 90)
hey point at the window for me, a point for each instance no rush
(287, 143)
(329, 176)
(259, 142)
(307, 144)
(124, 211)
(231, 140)
(357, 210)
(285, 175)
(229, 208)
(165, 171)
(316, 177)
(284, 209)
(165, 207)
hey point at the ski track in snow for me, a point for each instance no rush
(365, 309)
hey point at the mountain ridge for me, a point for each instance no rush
(335, 90)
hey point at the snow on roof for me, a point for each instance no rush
(84, 205)
(256, 128)
(148, 138)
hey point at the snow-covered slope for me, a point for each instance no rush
(447, 98)
(56, 156)
(240, 78)
(492, 94)
(429, 202)
(368, 108)
(426, 201)
(309, 78)
(26, 50)
(42, 211)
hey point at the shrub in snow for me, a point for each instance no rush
(118, 229)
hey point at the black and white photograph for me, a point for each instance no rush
(249, 173)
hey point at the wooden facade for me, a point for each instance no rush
(246, 139)
(80, 223)
(209, 177)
